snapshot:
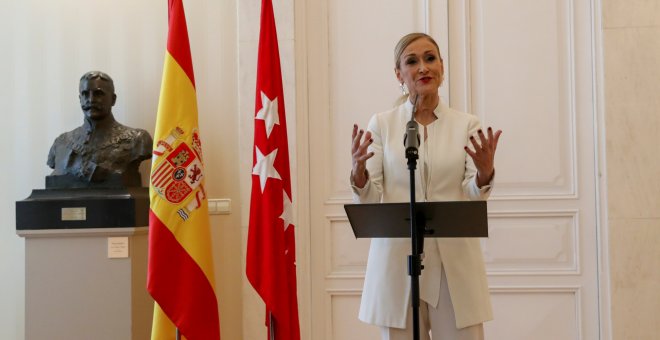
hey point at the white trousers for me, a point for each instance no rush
(440, 322)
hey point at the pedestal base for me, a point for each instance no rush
(74, 291)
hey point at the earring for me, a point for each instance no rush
(404, 89)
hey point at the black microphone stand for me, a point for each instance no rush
(415, 260)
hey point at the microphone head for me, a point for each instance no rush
(411, 139)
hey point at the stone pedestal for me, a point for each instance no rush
(84, 279)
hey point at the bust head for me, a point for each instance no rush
(102, 152)
(97, 95)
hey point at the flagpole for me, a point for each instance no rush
(271, 325)
(178, 335)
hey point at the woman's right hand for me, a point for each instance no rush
(360, 155)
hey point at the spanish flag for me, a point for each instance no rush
(180, 272)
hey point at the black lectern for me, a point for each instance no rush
(441, 219)
(432, 219)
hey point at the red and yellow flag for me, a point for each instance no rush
(180, 273)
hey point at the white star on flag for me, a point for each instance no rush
(287, 211)
(268, 113)
(265, 168)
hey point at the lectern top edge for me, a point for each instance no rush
(442, 219)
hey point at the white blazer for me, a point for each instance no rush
(451, 176)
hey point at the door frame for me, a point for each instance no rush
(305, 12)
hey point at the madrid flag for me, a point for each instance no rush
(180, 272)
(271, 249)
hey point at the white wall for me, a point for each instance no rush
(632, 79)
(47, 46)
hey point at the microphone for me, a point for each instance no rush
(411, 138)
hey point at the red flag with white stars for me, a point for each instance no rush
(271, 249)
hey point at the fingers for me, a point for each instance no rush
(484, 149)
(363, 158)
(496, 139)
(356, 136)
(357, 139)
(493, 138)
(482, 139)
(367, 136)
(360, 146)
(470, 152)
(475, 144)
(486, 141)
(362, 149)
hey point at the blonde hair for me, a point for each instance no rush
(398, 51)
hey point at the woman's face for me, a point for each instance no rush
(420, 68)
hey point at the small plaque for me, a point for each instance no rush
(74, 214)
(117, 247)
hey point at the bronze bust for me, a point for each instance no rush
(101, 152)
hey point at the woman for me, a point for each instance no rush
(453, 287)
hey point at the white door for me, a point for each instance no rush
(522, 66)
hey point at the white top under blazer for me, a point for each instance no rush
(451, 176)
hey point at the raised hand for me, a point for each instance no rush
(360, 155)
(484, 155)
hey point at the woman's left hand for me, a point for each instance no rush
(484, 155)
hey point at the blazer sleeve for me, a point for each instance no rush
(470, 188)
(373, 190)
